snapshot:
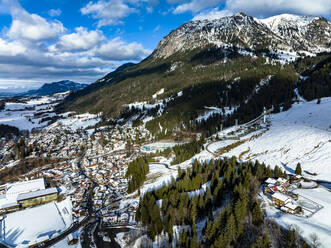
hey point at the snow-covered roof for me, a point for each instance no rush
(291, 205)
(281, 197)
(281, 180)
(270, 181)
(34, 194)
(9, 205)
(25, 186)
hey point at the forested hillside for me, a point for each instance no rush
(225, 214)
(241, 77)
(316, 78)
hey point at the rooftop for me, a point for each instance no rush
(291, 205)
(25, 186)
(270, 181)
(281, 197)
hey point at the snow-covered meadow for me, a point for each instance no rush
(301, 134)
(21, 114)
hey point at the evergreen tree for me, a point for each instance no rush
(298, 169)
(257, 214)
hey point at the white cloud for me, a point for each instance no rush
(37, 49)
(82, 39)
(35, 28)
(195, 6)
(54, 12)
(117, 49)
(32, 27)
(112, 12)
(149, 9)
(108, 12)
(157, 28)
(264, 8)
(11, 48)
(213, 14)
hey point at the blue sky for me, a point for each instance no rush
(49, 40)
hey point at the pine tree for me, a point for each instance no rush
(266, 242)
(230, 229)
(298, 169)
(257, 214)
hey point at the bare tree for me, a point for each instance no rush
(315, 240)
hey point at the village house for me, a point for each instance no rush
(124, 217)
(274, 189)
(282, 181)
(295, 178)
(110, 218)
(291, 208)
(280, 199)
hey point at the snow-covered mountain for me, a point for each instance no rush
(285, 32)
(55, 87)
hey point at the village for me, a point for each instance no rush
(87, 171)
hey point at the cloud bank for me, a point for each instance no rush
(38, 49)
(257, 8)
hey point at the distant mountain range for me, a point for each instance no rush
(55, 87)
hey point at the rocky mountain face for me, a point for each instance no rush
(56, 87)
(289, 33)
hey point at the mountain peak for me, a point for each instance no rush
(240, 14)
(284, 32)
(274, 21)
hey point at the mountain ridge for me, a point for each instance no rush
(55, 87)
(247, 32)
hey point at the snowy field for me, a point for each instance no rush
(301, 134)
(159, 146)
(21, 115)
(210, 111)
(318, 224)
(76, 122)
(26, 227)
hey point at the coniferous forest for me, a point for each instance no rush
(227, 211)
(136, 173)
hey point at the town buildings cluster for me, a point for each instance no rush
(87, 166)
